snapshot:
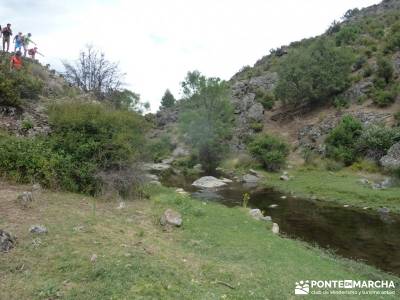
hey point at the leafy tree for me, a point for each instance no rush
(168, 100)
(206, 118)
(127, 100)
(350, 13)
(314, 74)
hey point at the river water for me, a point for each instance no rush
(349, 232)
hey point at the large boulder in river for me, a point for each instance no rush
(171, 217)
(208, 182)
(7, 241)
(392, 159)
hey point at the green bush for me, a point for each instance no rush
(366, 165)
(368, 71)
(266, 98)
(31, 160)
(86, 139)
(385, 69)
(341, 102)
(393, 38)
(376, 140)
(384, 98)
(341, 143)
(271, 151)
(8, 94)
(15, 86)
(347, 35)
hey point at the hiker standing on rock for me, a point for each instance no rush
(7, 33)
(26, 40)
(18, 39)
(16, 61)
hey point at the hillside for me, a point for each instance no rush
(369, 35)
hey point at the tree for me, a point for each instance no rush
(206, 117)
(313, 74)
(168, 100)
(92, 72)
(127, 100)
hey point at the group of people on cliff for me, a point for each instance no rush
(21, 42)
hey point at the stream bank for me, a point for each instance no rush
(351, 232)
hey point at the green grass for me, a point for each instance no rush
(138, 260)
(341, 187)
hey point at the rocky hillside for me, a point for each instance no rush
(369, 34)
(25, 114)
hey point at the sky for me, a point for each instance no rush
(156, 42)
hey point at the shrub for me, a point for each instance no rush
(341, 102)
(266, 98)
(376, 140)
(359, 63)
(384, 98)
(368, 71)
(347, 35)
(87, 140)
(333, 165)
(30, 160)
(341, 143)
(91, 132)
(385, 69)
(18, 85)
(271, 151)
(365, 165)
(393, 38)
(8, 94)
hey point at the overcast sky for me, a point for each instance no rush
(158, 41)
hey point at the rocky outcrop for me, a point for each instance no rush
(208, 182)
(38, 229)
(25, 199)
(247, 109)
(312, 136)
(7, 241)
(167, 116)
(392, 159)
(28, 120)
(258, 215)
(171, 217)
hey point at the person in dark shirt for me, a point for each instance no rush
(7, 33)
